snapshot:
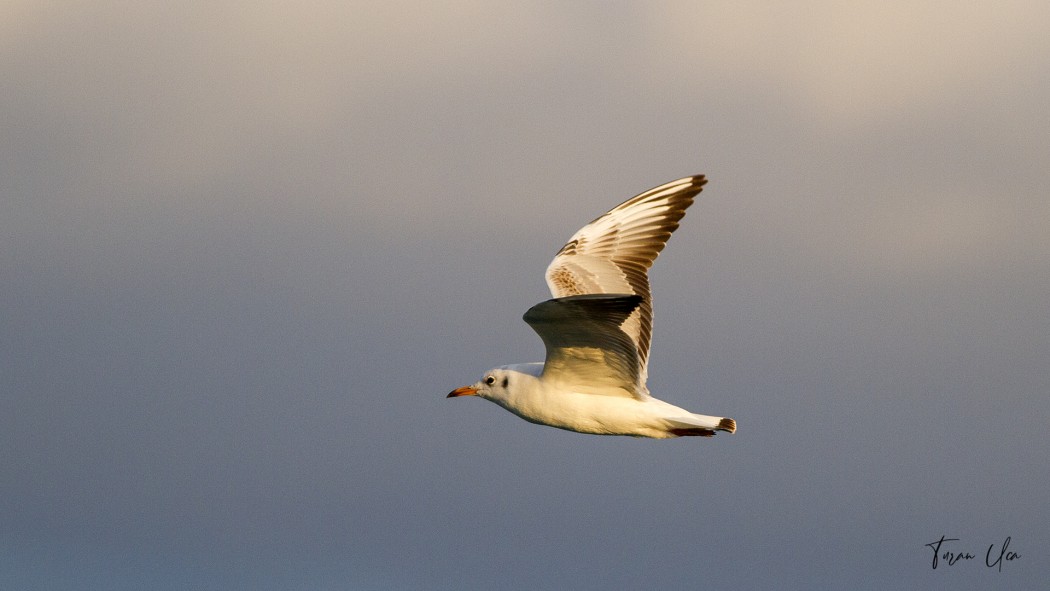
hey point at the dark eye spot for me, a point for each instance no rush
(504, 381)
(490, 380)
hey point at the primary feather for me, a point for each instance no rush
(613, 253)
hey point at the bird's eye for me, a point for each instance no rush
(490, 380)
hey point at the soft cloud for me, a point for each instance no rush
(858, 61)
(248, 246)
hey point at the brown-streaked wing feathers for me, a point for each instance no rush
(613, 253)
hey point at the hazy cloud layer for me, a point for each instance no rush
(247, 247)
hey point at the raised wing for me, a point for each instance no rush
(612, 254)
(586, 348)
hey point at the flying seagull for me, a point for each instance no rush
(597, 330)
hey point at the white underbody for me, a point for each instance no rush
(613, 412)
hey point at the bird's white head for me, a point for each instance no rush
(503, 385)
(492, 386)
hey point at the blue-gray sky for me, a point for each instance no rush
(246, 248)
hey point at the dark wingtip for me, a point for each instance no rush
(612, 306)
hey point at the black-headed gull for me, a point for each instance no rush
(597, 330)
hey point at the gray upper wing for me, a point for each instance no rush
(586, 346)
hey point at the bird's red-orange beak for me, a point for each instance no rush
(464, 391)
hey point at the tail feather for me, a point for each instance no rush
(692, 432)
(727, 424)
(700, 426)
